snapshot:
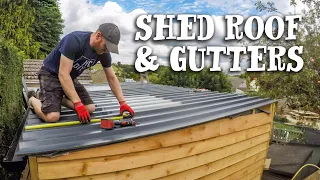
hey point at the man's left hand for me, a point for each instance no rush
(125, 107)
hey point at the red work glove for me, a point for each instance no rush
(83, 113)
(125, 107)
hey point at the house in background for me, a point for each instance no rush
(31, 68)
(240, 85)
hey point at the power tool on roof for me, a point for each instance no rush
(111, 124)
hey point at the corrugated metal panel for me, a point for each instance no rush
(158, 109)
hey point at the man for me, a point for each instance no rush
(76, 52)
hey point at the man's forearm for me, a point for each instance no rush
(116, 88)
(68, 87)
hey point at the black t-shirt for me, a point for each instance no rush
(76, 47)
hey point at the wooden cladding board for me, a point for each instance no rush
(219, 149)
(33, 167)
(314, 176)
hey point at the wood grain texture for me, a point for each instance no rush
(176, 166)
(240, 169)
(33, 166)
(189, 153)
(248, 172)
(140, 159)
(191, 134)
(213, 167)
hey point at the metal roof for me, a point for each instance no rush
(158, 109)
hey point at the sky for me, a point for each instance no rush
(87, 15)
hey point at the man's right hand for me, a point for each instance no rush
(124, 107)
(83, 113)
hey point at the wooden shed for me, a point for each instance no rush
(181, 134)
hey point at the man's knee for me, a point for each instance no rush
(91, 108)
(52, 117)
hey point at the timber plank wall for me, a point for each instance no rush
(228, 148)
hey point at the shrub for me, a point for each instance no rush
(11, 104)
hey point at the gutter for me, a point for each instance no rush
(12, 162)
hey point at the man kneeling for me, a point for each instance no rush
(76, 52)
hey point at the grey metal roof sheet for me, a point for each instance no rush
(158, 109)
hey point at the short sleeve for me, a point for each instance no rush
(69, 46)
(105, 60)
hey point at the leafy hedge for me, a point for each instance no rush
(11, 103)
(214, 81)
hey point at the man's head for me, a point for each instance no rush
(106, 39)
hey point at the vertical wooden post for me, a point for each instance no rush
(253, 111)
(273, 110)
(33, 166)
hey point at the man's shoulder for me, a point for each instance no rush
(78, 39)
(77, 33)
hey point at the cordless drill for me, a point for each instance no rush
(110, 124)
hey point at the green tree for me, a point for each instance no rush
(300, 90)
(47, 26)
(16, 43)
(10, 97)
(127, 71)
(214, 81)
(16, 18)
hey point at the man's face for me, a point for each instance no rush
(100, 44)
